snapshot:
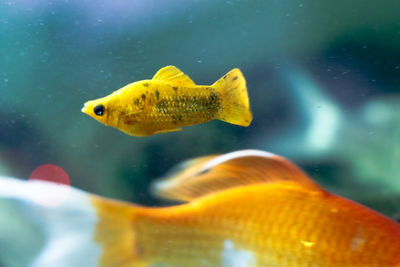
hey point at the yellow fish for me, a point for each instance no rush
(171, 100)
(243, 209)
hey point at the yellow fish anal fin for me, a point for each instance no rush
(169, 130)
(174, 76)
(205, 175)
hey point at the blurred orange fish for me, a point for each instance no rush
(246, 208)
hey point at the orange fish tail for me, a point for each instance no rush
(115, 233)
(234, 97)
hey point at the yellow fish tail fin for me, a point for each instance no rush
(234, 97)
(115, 233)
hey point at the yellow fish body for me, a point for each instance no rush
(172, 100)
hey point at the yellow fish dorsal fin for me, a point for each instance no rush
(201, 176)
(174, 76)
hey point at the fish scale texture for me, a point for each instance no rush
(192, 105)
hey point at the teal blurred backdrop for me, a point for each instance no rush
(323, 80)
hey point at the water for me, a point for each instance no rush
(323, 81)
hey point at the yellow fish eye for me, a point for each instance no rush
(99, 110)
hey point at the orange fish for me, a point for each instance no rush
(246, 208)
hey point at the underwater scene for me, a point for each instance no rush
(199, 133)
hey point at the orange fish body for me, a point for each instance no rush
(243, 209)
(172, 100)
(265, 223)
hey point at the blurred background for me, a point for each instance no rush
(323, 80)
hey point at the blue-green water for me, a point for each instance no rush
(323, 81)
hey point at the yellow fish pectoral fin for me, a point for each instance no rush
(169, 130)
(205, 175)
(174, 76)
(131, 118)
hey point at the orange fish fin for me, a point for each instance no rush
(234, 98)
(115, 233)
(205, 175)
(168, 131)
(169, 187)
(174, 76)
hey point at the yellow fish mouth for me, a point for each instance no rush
(85, 108)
